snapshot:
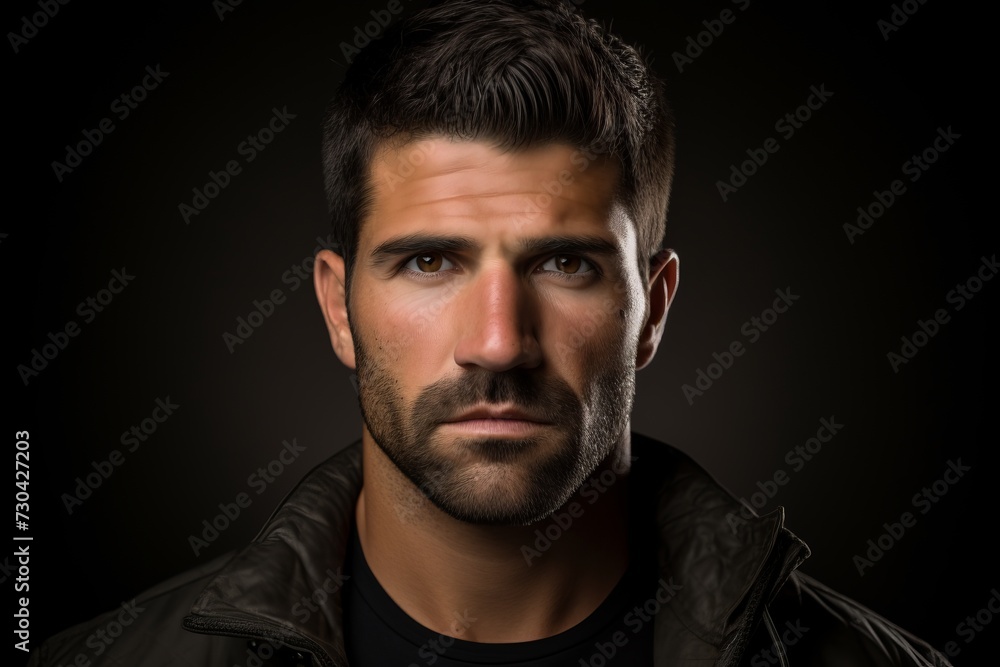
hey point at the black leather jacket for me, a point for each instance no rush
(277, 602)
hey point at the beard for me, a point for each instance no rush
(499, 480)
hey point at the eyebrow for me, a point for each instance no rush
(412, 244)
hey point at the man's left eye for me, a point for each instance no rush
(567, 264)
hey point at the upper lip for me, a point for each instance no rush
(494, 412)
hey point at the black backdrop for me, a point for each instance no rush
(222, 76)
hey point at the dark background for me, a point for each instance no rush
(826, 357)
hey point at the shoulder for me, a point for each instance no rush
(145, 630)
(823, 628)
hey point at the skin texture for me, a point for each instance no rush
(477, 313)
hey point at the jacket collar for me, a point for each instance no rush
(285, 586)
(727, 561)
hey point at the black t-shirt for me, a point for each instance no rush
(618, 633)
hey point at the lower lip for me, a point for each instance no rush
(496, 426)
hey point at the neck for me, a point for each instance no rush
(494, 584)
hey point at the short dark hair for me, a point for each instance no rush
(517, 73)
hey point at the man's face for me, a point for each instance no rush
(495, 309)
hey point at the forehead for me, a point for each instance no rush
(448, 182)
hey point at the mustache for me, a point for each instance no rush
(548, 398)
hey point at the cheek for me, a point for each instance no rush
(586, 341)
(404, 332)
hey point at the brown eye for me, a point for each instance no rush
(428, 262)
(567, 265)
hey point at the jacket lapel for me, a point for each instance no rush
(285, 586)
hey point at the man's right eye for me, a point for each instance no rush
(427, 263)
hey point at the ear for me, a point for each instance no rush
(664, 274)
(331, 292)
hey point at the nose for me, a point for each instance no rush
(497, 322)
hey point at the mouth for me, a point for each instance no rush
(496, 420)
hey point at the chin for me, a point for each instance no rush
(504, 494)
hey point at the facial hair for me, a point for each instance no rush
(499, 480)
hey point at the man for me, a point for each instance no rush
(498, 175)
